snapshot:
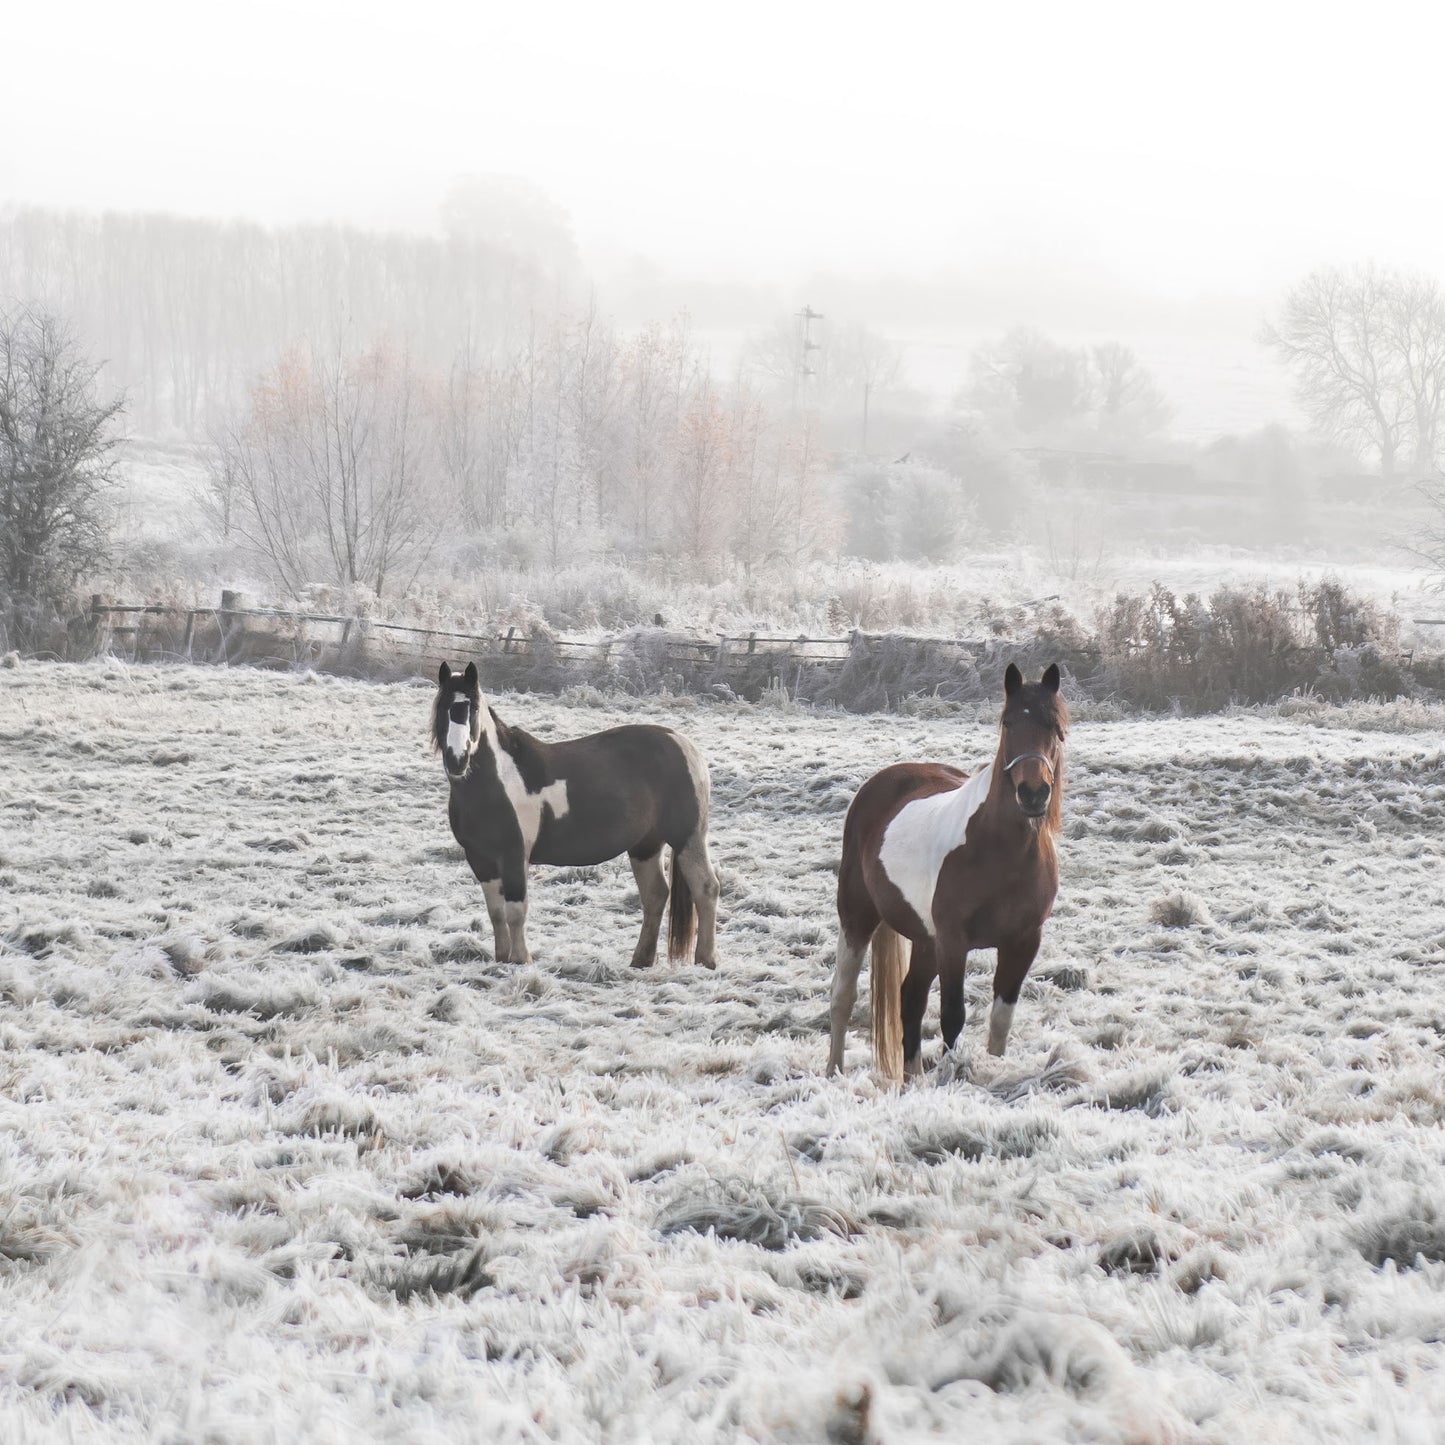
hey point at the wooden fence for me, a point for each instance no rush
(279, 637)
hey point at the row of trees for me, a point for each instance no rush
(1031, 390)
(187, 311)
(348, 464)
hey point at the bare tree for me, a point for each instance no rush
(57, 463)
(1340, 333)
(334, 469)
(757, 492)
(1028, 386)
(1130, 407)
(1416, 329)
(659, 366)
(701, 475)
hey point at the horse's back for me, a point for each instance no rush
(890, 789)
(640, 756)
(862, 896)
(629, 789)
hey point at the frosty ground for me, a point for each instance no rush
(285, 1155)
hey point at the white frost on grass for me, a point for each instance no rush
(285, 1155)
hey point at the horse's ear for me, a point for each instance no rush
(471, 675)
(444, 674)
(1013, 679)
(1050, 679)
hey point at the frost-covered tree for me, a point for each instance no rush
(1129, 405)
(334, 469)
(1367, 349)
(57, 463)
(1029, 386)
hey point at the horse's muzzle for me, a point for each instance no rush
(1033, 801)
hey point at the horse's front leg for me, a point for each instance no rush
(514, 907)
(489, 875)
(1015, 957)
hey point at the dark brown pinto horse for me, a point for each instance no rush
(516, 801)
(949, 863)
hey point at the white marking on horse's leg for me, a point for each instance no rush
(913, 1068)
(696, 865)
(844, 996)
(517, 928)
(496, 911)
(651, 879)
(1000, 1020)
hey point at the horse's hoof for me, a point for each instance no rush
(708, 963)
(642, 963)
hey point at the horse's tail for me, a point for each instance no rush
(888, 962)
(682, 916)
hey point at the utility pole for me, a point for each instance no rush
(806, 346)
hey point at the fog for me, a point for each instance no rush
(1181, 154)
(1083, 285)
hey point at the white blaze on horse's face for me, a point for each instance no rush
(459, 737)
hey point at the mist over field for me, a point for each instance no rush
(781, 376)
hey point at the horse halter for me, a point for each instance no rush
(1024, 757)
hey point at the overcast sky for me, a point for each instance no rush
(1184, 149)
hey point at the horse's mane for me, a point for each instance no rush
(439, 708)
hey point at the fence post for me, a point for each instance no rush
(752, 643)
(233, 626)
(507, 641)
(190, 631)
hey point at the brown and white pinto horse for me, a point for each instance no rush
(516, 801)
(950, 863)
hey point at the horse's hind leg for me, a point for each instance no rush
(858, 917)
(696, 864)
(844, 993)
(651, 879)
(921, 971)
(952, 965)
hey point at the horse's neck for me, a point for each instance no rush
(1000, 811)
(525, 751)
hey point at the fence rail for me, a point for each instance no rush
(286, 636)
(862, 671)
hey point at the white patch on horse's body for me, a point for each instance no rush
(1000, 1021)
(923, 833)
(528, 806)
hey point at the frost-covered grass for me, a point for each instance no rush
(284, 1155)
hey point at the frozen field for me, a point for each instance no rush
(285, 1156)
